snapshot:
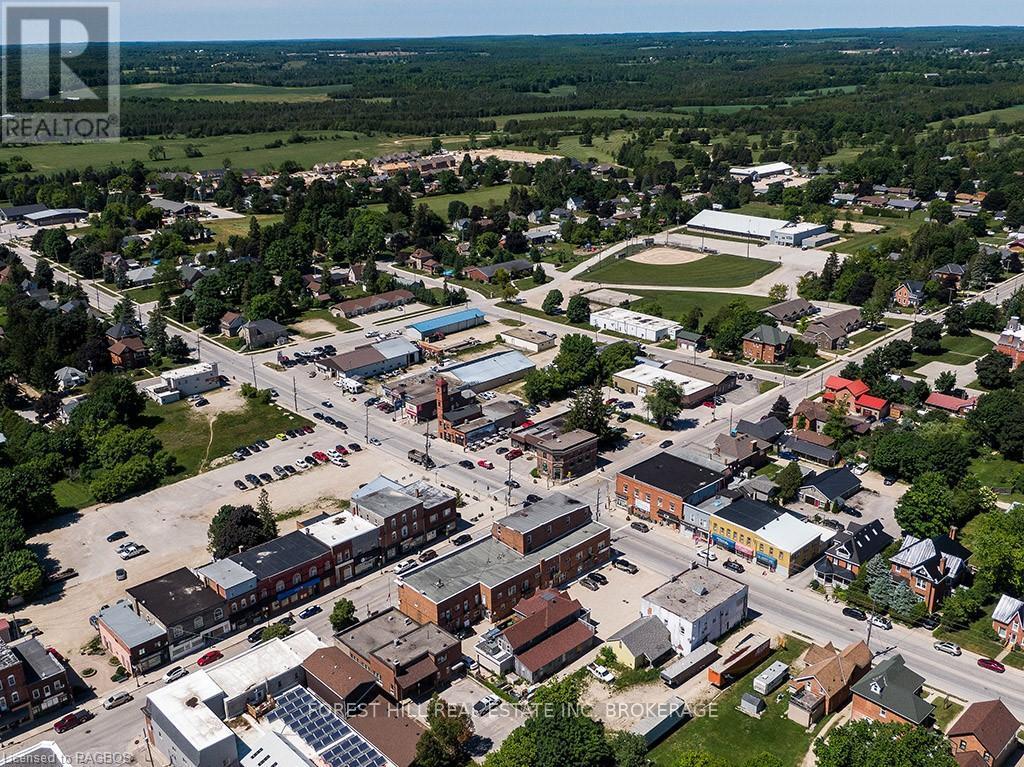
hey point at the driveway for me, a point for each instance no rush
(493, 727)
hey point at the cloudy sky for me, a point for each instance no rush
(282, 19)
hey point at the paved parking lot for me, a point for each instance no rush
(491, 728)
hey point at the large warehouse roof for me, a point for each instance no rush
(718, 220)
(489, 368)
(426, 327)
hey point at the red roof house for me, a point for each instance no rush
(843, 391)
(871, 406)
(950, 403)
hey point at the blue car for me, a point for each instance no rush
(310, 611)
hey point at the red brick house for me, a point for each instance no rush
(931, 567)
(128, 353)
(844, 391)
(984, 735)
(909, 293)
(1008, 621)
(767, 344)
(1011, 342)
(823, 686)
(871, 407)
(891, 692)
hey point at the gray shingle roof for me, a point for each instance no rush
(645, 637)
(895, 687)
(768, 334)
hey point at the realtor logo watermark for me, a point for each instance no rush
(61, 72)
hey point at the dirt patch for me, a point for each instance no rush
(512, 155)
(314, 327)
(861, 227)
(666, 256)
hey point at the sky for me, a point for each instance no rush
(298, 19)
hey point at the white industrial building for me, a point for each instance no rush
(639, 380)
(185, 382)
(759, 172)
(527, 340)
(698, 605)
(634, 324)
(773, 230)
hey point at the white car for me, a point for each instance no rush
(860, 469)
(601, 673)
(948, 647)
(405, 566)
(880, 621)
(710, 556)
(485, 704)
(374, 441)
(337, 460)
(638, 435)
(174, 674)
(301, 464)
(117, 699)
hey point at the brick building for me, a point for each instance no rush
(985, 735)
(1011, 342)
(408, 516)
(767, 344)
(561, 454)
(891, 692)
(822, 686)
(139, 645)
(540, 547)
(289, 569)
(931, 567)
(31, 682)
(661, 487)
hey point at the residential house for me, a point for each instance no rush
(949, 275)
(850, 550)
(985, 735)
(258, 334)
(739, 451)
(190, 614)
(551, 631)
(931, 567)
(424, 261)
(804, 450)
(769, 429)
(408, 659)
(951, 404)
(830, 489)
(789, 312)
(823, 685)
(1011, 342)
(855, 397)
(128, 353)
(1008, 621)
(356, 307)
(231, 323)
(515, 268)
(909, 293)
(891, 692)
(832, 332)
(644, 642)
(767, 344)
(812, 416)
(68, 378)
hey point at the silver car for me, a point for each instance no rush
(952, 648)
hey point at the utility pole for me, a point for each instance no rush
(199, 343)
(295, 395)
(253, 361)
(426, 441)
(367, 435)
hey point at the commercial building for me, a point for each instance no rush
(541, 547)
(561, 455)
(641, 379)
(54, 216)
(664, 486)
(775, 231)
(338, 679)
(438, 327)
(490, 371)
(407, 517)
(889, 693)
(185, 382)
(234, 584)
(190, 614)
(760, 172)
(697, 606)
(462, 419)
(33, 682)
(139, 645)
(769, 535)
(408, 659)
(634, 324)
(529, 341)
(289, 569)
(354, 543)
(372, 359)
(723, 381)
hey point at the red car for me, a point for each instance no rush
(512, 454)
(321, 456)
(72, 720)
(991, 665)
(708, 403)
(526, 424)
(308, 428)
(485, 464)
(209, 657)
(56, 655)
(342, 450)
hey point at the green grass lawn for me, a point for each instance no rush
(858, 242)
(865, 337)
(484, 196)
(978, 637)
(530, 311)
(677, 303)
(738, 738)
(230, 92)
(73, 495)
(186, 433)
(1015, 659)
(946, 711)
(957, 350)
(716, 271)
(145, 295)
(224, 228)
(998, 473)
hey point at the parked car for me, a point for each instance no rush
(310, 611)
(640, 527)
(486, 704)
(889, 481)
(267, 479)
(116, 536)
(460, 540)
(467, 464)
(951, 648)
(374, 441)
(405, 565)
(53, 653)
(427, 555)
(300, 463)
(121, 574)
(710, 556)
(255, 636)
(856, 613)
(241, 485)
(117, 699)
(354, 447)
(733, 565)
(626, 566)
(666, 443)
(280, 472)
(930, 622)
(321, 456)
(209, 657)
(512, 454)
(512, 483)
(589, 584)
(72, 720)
(880, 621)
(600, 673)
(992, 665)
(174, 674)
(533, 498)
(598, 578)
(483, 463)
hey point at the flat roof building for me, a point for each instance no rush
(490, 371)
(697, 606)
(635, 324)
(774, 230)
(526, 340)
(639, 380)
(445, 324)
(561, 454)
(770, 535)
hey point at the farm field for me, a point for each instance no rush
(716, 271)
(230, 92)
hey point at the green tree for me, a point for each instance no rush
(552, 302)
(343, 615)
(927, 337)
(789, 481)
(700, 759)
(664, 401)
(177, 349)
(945, 381)
(539, 275)
(956, 321)
(156, 332)
(903, 601)
(628, 749)
(879, 582)
(275, 631)
(589, 413)
(236, 528)
(778, 292)
(997, 540)
(925, 510)
(865, 742)
(780, 410)
(578, 310)
(837, 426)
(446, 739)
(993, 371)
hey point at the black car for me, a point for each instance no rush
(512, 483)
(241, 485)
(641, 527)
(330, 420)
(354, 447)
(289, 469)
(501, 450)
(598, 578)
(255, 636)
(466, 464)
(244, 451)
(341, 424)
(312, 461)
(252, 479)
(852, 511)
(255, 448)
(318, 415)
(733, 565)
(279, 471)
(856, 613)
(116, 536)
(266, 477)
(665, 443)
(287, 620)
(888, 481)
(459, 540)
(262, 443)
(533, 497)
(310, 611)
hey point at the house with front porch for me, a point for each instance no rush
(931, 567)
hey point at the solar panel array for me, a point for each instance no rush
(324, 731)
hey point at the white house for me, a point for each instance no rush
(697, 606)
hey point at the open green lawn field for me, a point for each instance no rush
(230, 92)
(716, 271)
(500, 120)
(482, 196)
(225, 228)
(957, 350)
(677, 303)
(998, 473)
(1013, 114)
(602, 149)
(243, 150)
(736, 737)
(73, 495)
(892, 227)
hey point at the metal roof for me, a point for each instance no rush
(489, 368)
(129, 626)
(439, 323)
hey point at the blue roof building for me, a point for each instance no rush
(446, 324)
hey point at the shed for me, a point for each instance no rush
(771, 677)
(677, 672)
(752, 705)
(666, 717)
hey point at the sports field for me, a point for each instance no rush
(716, 271)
